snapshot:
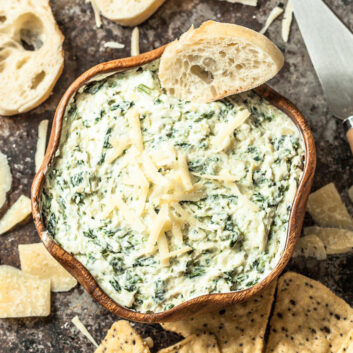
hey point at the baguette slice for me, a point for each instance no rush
(31, 55)
(217, 60)
(128, 12)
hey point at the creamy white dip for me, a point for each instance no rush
(102, 198)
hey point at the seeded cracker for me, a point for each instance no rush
(310, 246)
(239, 328)
(307, 317)
(327, 209)
(347, 346)
(122, 338)
(205, 343)
(336, 241)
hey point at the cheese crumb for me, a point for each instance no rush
(76, 321)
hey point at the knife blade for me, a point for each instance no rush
(330, 46)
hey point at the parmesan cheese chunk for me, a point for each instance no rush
(36, 260)
(5, 178)
(222, 139)
(41, 143)
(244, 2)
(310, 246)
(81, 327)
(18, 213)
(135, 42)
(23, 295)
(287, 21)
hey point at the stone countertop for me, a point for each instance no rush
(84, 47)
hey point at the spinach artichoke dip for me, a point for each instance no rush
(163, 200)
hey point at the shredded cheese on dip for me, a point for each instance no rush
(164, 200)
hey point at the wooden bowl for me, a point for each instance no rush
(204, 302)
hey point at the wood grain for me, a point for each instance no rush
(205, 302)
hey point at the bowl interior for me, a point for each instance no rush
(204, 302)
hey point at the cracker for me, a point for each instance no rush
(307, 317)
(327, 209)
(336, 241)
(238, 327)
(204, 342)
(122, 338)
(310, 246)
(347, 346)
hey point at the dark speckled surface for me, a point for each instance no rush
(84, 48)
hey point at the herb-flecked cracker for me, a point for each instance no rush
(347, 346)
(204, 342)
(307, 317)
(327, 209)
(122, 338)
(239, 328)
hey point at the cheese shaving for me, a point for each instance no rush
(5, 178)
(350, 193)
(287, 21)
(150, 170)
(118, 148)
(97, 15)
(114, 45)
(18, 213)
(177, 233)
(129, 215)
(158, 226)
(135, 42)
(184, 171)
(177, 252)
(134, 120)
(244, 2)
(222, 139)
(220, 177)
(80, 326)
(275, 12)
(41, 143)
(163, 250)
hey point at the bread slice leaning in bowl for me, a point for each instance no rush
(128, 12)
(31, 55)
(217, 60)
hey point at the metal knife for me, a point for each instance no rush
(330, 46)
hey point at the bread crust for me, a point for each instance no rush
(47, 60)
(129, 17)
(216, 31)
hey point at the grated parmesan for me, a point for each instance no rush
(135, 42)
(41, 143)
(81, 327)
(114, 45)
(287, 21)
(275, 12)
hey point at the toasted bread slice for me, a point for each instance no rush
(128, 12)
(217, 60)
(31, 55)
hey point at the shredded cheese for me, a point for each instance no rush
(177, 233)
(5, 178)
(163, 250)
(244, 2)
(220, 177)
(158, 226)
(150, 170)
(80, 326)
(135, 39)
(275, 12)
(114, 45)
(118, 148)
(97, 15)
(184, 171)
(222, 139)
(134, 120)
(287, 21)
(129, 215)
(176, 253)
(41, 142)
